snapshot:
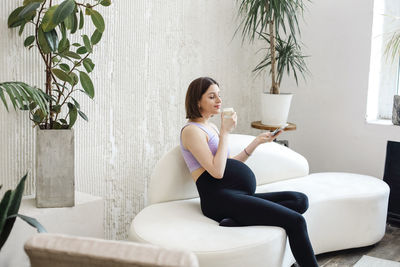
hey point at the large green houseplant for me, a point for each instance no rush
(277, 23)
(65, 52)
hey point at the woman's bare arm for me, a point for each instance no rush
(260, 139)
(195, 141)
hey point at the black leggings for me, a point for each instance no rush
(234, 197)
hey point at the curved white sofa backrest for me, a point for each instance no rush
(171, 179)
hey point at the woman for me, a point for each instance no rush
(225, 184)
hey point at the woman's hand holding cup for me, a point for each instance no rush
(228, 120)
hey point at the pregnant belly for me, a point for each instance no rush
(238, 176)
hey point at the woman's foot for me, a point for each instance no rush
(228, 222)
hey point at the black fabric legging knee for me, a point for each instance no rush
(234, 197)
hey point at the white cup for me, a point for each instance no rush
(228, 112)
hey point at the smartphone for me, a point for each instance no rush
(281, 128)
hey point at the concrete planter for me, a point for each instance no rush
(396, 110)
(55, 168)
(275, 108)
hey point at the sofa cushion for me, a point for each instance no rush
(347, 210)
(171, 179)
(181, 224)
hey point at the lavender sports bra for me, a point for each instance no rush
(213, 141)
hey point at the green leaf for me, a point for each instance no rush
(10, 95)
(87, 43)
(96, 36)
(75, 78)
(13, 207)
(63, 11)
(77, 44)
(47, 21)
(29, 40)
(76, 103)
(32, 222)
(88, 9)
(64, 67)
(21, 29)
(69, 22)
(81, 50)
(43, 42)
(62, 75)
(63, 30)
(63, 121)
(105, 2)
(28, 9)
(98, 20)
(73, 114)
(88, 64)
(4, 204)
(32, 106)
(17, 96)
(83, 115)
(14, 20)
(86, 83)
(81, 20)
(38, 116)
(52, 39)
(74, 23)
(63, 46)
(31, 1)
(55, 59)
(56, 108)
(3, 98)
(72, 55)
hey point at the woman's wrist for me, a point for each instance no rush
(223, 133)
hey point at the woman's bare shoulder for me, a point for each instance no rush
(191, 133)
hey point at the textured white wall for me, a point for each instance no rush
(150, 52)
(330, 109)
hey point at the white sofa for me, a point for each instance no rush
(345, 210)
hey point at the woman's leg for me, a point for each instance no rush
(250, 210)
(296, 201)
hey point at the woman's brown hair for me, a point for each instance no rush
(196, 89)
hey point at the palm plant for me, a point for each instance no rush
(392, 48)
(66, 65)
(268, 19)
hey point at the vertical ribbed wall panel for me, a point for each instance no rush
(149, 53)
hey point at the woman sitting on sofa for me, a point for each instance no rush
(225, 184)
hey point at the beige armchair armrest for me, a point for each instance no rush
(56, 250)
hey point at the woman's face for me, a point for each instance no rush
(210, 102)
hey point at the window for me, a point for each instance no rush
(384, 73)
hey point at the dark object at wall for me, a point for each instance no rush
(396, 110)
(392, 177)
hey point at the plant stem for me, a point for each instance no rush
(62, 92)
(274, 86)
(45, 59)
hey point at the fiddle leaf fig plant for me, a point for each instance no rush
(269, 20)
(67, 64)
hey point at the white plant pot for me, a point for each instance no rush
(275, 108)
(55, 168)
